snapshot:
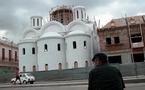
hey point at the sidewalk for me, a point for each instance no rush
(134, 79)
(130, 79)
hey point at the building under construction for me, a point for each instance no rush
(66, 14)
(123, 39)
(62, 14)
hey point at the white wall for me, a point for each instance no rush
(52, 57)
(29, 59)
(80, 54)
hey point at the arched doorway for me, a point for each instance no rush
(34, 68)
(24, 69)
(60, 66)
(75, 64)
(46, 67)
(86, 64)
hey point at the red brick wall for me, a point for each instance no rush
(122, 33)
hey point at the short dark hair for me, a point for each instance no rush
(101, 56)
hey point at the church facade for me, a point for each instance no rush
(67, 40)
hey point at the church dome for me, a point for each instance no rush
(30, 33)
(78, 7)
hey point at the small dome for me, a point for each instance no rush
(77, 32)
(30, 34)
(79, 7)
(50, 34)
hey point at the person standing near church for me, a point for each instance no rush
(104, 76)
(17, 75)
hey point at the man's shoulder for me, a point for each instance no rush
(92, 70)
(107, 66)
(96, 68)
(113, 67)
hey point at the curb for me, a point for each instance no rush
(65, 84)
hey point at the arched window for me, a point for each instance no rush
(86, 64)
(77, 14)
(33, 22)
(60, 66)
(58, 47)
(24, 69)
(23, 51)
(74, 45)
(62, 21)
(82, 14)
(34, 68)
(46, 67)
(33, 50)
(85, 44)
(37, 22)
(75, 64)
(45, 47)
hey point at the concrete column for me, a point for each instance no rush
(126, 58)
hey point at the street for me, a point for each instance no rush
(137, 86)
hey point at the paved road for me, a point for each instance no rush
(138, 86)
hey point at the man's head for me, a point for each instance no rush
(100, 58)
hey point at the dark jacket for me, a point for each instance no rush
(105, 77)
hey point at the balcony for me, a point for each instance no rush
(137, 45)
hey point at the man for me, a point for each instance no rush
(17, 75)
(104, 76)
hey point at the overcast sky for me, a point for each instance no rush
(15, 14)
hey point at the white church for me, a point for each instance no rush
(65, 40)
